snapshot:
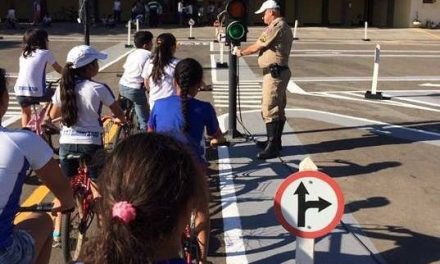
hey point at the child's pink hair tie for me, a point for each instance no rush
(124, 211)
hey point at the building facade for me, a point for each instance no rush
(345, 13)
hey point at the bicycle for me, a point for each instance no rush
(75, 224)
(132, 125)
(41, 124)
(190, 243)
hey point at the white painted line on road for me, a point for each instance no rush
(313, 55)
(213, 69)
(115, 60)
(294, 88)
(364, 51)
(363, 100)
(234, 244)
(366, 79)
(430, 84)
(10, 120)
(417, 101)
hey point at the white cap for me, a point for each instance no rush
(267, 5)
(82, 55)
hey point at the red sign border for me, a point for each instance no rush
(321, 176)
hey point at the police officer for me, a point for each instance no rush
(273, 47)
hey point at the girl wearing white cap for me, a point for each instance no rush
(78, 100)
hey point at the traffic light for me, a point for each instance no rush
(236, 29)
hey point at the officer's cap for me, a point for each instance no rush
(269, 4)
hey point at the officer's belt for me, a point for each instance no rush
(282, 68)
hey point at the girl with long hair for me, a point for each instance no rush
(159, 71)
(30, 87)
(185, 118)
(78, 100)
(147, 199)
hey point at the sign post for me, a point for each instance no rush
(129, 45)
(191, 23)
(221, 44)
(373, 94)
(295, 29)
(309, 204)
(366, 32)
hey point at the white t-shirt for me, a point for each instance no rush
(90, 96)
(117, 5)
(166, 86)
(133, 68)
(31, 80)
(20, 149)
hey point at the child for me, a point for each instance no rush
(47, 20)
(11, 18)
(30, 240)
(185, 118)
(159, 70)
(147, 198)
(131, 85)
(30, 87)
(78, 100)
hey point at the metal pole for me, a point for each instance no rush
(232, 132)
(86, 22)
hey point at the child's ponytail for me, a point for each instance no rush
(69, 109)
(188, 74)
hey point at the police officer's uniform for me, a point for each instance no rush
(273, 59)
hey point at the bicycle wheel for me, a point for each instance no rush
(73, 232)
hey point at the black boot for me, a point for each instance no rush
(280, 134)
(263, 144)
(271, 150)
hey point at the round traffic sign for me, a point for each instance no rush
(309, 204)
(191, 22)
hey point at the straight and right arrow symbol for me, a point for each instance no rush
(303, 205)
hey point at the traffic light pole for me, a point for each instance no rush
(86, 22)
(233, 82)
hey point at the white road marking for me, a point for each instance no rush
(366, 79)
(294, 88)
(430, 84)
(234, 244)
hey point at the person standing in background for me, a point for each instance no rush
(117, 11)
(180, 11)
(273, 47)
(37, 12)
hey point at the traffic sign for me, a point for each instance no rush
(309, 204)
(191, 22)
(221, 37)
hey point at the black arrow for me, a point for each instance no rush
(303, 205)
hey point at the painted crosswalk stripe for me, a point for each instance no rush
(248, 95)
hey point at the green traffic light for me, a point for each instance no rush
(236, 30)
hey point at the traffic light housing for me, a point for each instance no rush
(236, 29)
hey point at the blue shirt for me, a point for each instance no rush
(20, 149)
(166, 117)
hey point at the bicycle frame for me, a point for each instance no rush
(75, 225)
